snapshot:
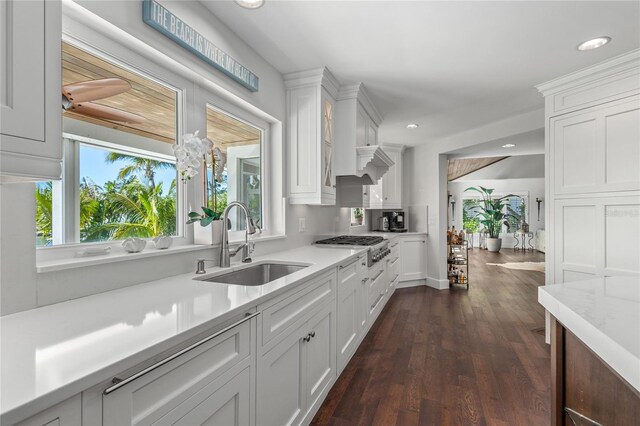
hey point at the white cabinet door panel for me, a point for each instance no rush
(320, 352)
(22, 98)
(348, 312)
(229, 405)
(598, 150)
(183, 380)
(67, 413)
(622, 147)
(413, 258)
(281, 382)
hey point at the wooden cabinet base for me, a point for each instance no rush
(584, 390)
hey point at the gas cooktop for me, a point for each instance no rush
(352, 240)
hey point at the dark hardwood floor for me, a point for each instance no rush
(452, 357)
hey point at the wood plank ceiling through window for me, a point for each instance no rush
(463, 166)
(151, 100)
(226, 131)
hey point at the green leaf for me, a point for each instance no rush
(210, 213)
(194, 215)
(206, 220)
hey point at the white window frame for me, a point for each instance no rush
(211, 100)
(87, 32)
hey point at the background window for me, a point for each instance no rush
(470, 216)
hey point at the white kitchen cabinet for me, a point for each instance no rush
(67, 413)
(393, 265)
(320, 358)
(387, 193)
(352, 279)
(310, 136)
(210, 382)
(295, 375)
(30, 108)
(377, 290)
(592, 146)
(413, 257)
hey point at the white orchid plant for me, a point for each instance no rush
(191, 154)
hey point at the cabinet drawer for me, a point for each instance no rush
(154, 395)
(394, 268)
(277, 317)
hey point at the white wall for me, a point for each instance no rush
(426, 184)
(22, 288)
(533, 187)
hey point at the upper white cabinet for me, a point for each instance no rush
(310, 136)
(597, 150)
(30, 84)
(387, 193)
(592, 149)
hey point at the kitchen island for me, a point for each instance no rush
(595, 350)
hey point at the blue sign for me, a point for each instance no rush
(158, 17)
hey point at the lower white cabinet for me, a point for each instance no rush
(296, 373)
(207, 384)
(377, 290)
(413, 257)
(351, 318)
(67, 413)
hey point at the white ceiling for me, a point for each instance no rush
(525, 144)
(449, 66)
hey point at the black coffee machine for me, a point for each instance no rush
(396, 221)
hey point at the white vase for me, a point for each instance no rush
(210, 234)
(494, 244)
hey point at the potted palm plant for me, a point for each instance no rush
(493, 214)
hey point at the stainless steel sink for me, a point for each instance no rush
(255, 275)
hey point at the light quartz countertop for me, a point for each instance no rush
(52, 353)
(603, 313)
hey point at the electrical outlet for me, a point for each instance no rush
(302, 226)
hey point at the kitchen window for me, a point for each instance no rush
(119, 176)
(237, 172)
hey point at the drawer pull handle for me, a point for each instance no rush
(393, 245)
(379, 273)
(118, 383)
(312, 334)
(309, 336)
(583, 419)
(364, 280)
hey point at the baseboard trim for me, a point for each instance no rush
(412, 283)
(437, 284)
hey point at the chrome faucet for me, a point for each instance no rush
(250, 228)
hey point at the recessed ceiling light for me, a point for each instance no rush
(594, 43)
(508, 145)
(250, 4)
(412, 126)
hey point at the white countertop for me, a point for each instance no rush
(605, 314)
(51, 353)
